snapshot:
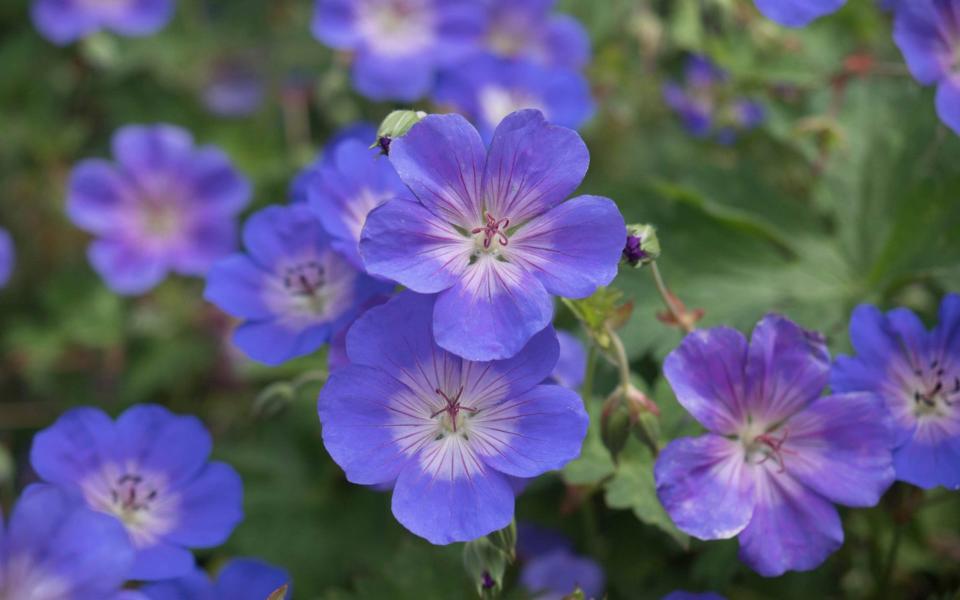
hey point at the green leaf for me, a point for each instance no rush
(632, 487)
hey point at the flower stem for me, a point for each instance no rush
(586, 390)
(891, 559)
(623, 366)
(675, 311)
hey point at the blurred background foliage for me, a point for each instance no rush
(849, 193)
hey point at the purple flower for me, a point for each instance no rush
(525, 29)
(55, 547)
(292, 289)
(399, 44)
(234, 89)
(684, 595)
(928, 35)
(150, 470)
(450, 432)
(778, 455)
(491, 233)
(572, 364)
(360, 131)
(65, 21)
(917, 373)
(487, 89)
(165, 205)
(353, 180)
(797, 13)
(241, 579)
(703, 104)
(551, 570)
(7, 257)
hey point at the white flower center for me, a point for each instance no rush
(396, 27)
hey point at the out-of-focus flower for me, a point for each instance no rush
(551, 570)
(65, 21)
(234, 89)
(240, 579)
(797, 13)
(165, 205)
(451, 433)
(359, 131)
(572, 364)
(684, 595)
(7, 257)
(149, 469)
(705, 106)
(291, 288)
(350, 183)
(525, 29)
(487, 89)
(917, 373)
(55, 547)
(928, 35)
(491, 232)
(778, 455)
(399, 44)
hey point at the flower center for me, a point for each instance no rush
(304, 279)
(130, 496)
(160, 220)
(492, 229)
(450, 418)
(767, 446)
(395, 27)
(934, 390)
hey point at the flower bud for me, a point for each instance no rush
(395, 125)
(642, 247)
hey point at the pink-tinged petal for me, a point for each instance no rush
(124, 268)
(574, 248)
(787, 368)
(507, 378)
(96, 196)
(948, 102)
(532, 433)
(705, 486)
(441, 159)
(532, 167)
(405, 242)
(492, 311)
(931, 457)
(368, 419)
(144, 149)
(840, 447)
(792, 529)
(447, 495)
(707, 375)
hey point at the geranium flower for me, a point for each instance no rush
(491, 233)
(55, 547)
(488, 89)
(778, 456)
(551, 570)
(150, 470)
(65, 21)
(398, 44)
(797, 13)
(526, 30)
(240, 579)
(450, 433)
(292, 289)
(165, 205)
(917, 373)
(928, 35)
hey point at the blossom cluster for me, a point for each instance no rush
(126, 501)
(483, 59)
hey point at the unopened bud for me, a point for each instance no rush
(395, 125)
(642, 247)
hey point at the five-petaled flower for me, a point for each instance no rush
(294, 291)
(450, 433)
(240, 579)
(525, 30)
(54, 547)
(491, 233)
(778, 454)
(150, 470)
(917, 373)
(166, 205)
(65, 21)
(928, 34)
(797, 13)
(399, 44)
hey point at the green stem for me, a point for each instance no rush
(623, 365)
(586, 390)
(891, 559)
(675, 311)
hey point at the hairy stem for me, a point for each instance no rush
(675, 311)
